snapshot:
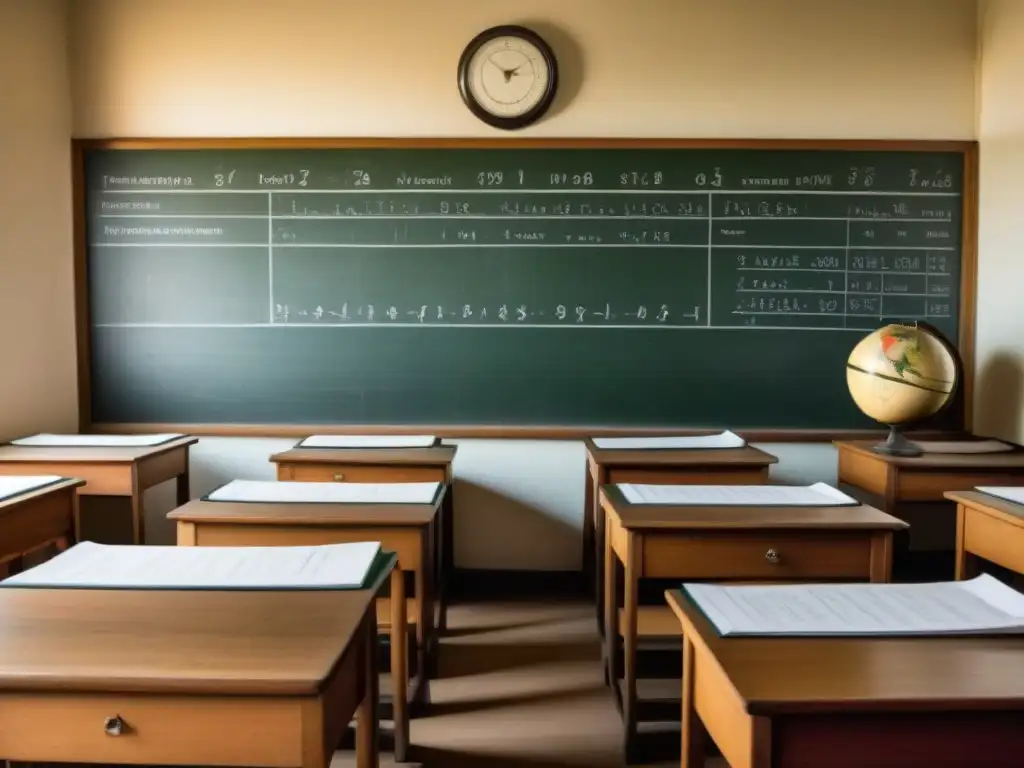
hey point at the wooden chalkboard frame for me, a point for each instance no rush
(968, 280)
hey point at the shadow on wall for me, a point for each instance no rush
(570, 64)
(493, 531)
(999, 397)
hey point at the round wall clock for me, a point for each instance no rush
(508, 76)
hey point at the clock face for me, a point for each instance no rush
(508, 79)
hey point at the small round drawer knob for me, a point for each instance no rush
(338, 477)
(772, 557)
(113, 726)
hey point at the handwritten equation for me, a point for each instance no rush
(497, 314)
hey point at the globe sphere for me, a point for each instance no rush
(901, 374)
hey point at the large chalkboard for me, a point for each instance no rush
(463, 285)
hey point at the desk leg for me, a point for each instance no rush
(367, 731)
(629, 650)
(694, 735)
(591, 555)
(138, 510)
(967, 565)
(184, 484)
(76, 517)
(446, 556)
(610, 646)
(596, 515)
(423, 578)
(399, 664)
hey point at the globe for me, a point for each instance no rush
(901, 375)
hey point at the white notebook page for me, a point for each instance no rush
(167, 567)
(271, 491)
(817, 495)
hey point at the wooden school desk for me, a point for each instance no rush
(38, 517)
(849, 702)
(405, 529)
(191, 677)
(987, 528)
(913, 488)
(388, 465)
(109, 471)
(694, 543)
(656, 466)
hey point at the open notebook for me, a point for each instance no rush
(367, 441)
(95, 441)
(290, 492)
(979, 606)
(725, 439)
(17, 485)
(88, 565)
(817, 495)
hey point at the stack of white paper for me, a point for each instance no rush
(367, 441)
(106, 566)
(16, 485)
(283, 492)
(94, 441)
(817, 495)
(983, 605)
(725, 439)
(1008, 493)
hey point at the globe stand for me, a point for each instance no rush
(896, 444)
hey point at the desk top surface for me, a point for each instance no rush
(780, 675)
(89, 455)
(287, 513)
(685, 517)
(1013, 460)
(34, 494)
(193, 641)
(1004, 509)
(689, 457)
(434, 455)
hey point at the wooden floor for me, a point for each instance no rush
(520, 685)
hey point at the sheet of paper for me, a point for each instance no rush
(979, 605)
(817, 495)
(1010, 493)
(270, 491)
(15, 485)
(115, 566)
(94, 441)
(700, 442)
(963, 447)
(367, 441)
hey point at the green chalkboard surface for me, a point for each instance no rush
(463, 285)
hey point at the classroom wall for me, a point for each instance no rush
(1000, 336)
(37, 335)
(733, 68)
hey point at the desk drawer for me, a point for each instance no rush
(161, 730)
(757, 555)
(360, 473)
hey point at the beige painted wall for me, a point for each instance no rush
(37, 339)
(790, 68)
(1000, 334)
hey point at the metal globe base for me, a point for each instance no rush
(896, 444)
